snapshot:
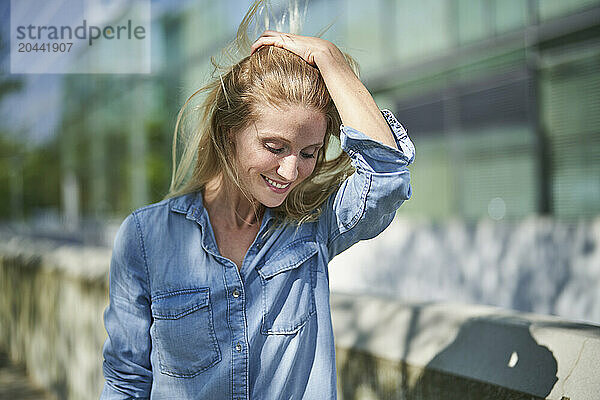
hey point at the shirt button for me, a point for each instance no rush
(238, 347)
(236, 293)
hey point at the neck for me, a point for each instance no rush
(226, 204)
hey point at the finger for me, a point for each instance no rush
(269, 32)
(277, 41)
(260, 42)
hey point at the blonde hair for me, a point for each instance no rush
(271, 76)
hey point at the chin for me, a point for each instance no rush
(272, 203)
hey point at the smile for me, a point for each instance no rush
(276, 185)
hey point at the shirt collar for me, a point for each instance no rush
(191, 205)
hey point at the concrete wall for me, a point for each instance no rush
(51, 303)
(536, 265)
(52, 298)
(393, 350)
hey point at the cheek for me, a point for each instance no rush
(306, 168)
(261, 162)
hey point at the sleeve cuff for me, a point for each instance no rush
(401, 135)
(353, 141)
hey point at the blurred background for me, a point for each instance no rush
(501, 98)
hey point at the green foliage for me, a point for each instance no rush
(29, 178)
(158, 158)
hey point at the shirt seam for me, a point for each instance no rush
(231, 330)
(358, 216)
(289, 263)
(143, 250)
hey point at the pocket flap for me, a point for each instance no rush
(179, 303)
(288, 257)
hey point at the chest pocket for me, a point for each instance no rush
(288, 280)
(183, 331)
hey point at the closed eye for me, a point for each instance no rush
(279, 150)
(274, 150)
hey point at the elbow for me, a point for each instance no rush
(124, 378)
(403, 187)
(124, 387)
(407, 191)
(406, 186)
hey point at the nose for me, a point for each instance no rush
(288, 168)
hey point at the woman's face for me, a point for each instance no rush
(278, 151)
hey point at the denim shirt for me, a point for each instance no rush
(184, 323)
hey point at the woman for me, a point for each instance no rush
(221, 290)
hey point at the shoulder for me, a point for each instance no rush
(184, 204)
(148, 224)
(153, 219)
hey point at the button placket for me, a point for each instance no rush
(236, 315)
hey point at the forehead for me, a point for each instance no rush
(297, 124)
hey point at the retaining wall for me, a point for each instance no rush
(51, 302)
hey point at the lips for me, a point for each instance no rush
(277, 187)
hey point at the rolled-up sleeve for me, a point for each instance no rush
(366, 202)
(127, 319)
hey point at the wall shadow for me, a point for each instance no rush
(491, 357)
(500, 351)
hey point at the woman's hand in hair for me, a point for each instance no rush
(352, 99)
(313, 50)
